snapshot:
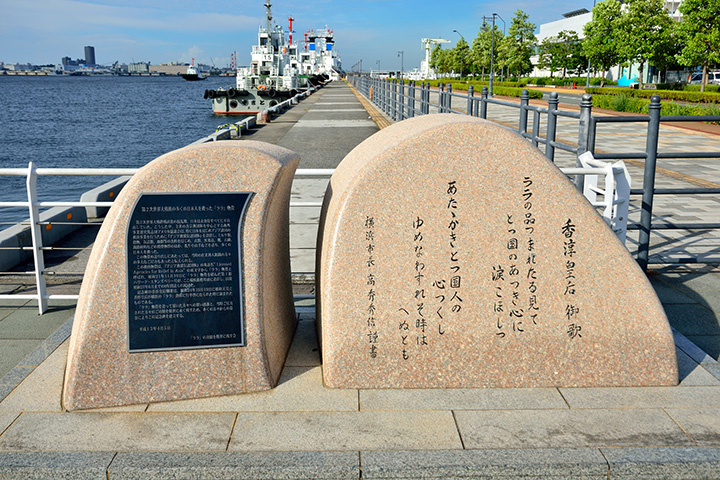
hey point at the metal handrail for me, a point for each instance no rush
(587, 132)
(38, 248)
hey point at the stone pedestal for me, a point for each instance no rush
(187, 292)
(453, 254)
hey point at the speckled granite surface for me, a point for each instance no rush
(453, 254)
(101, 372)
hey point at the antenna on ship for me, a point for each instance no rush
(269, 15)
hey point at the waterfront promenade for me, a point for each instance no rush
(303, 430)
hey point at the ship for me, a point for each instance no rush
(192, 74)
(277, 71)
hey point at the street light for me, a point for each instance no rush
(587, 82)
(461, 59)
(401, 54)
(492, 49)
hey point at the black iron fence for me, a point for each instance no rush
(400, 101)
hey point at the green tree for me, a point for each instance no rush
(518, 45)
(570, 52)
(700, 31)
(460, 56)
(439, 59)
(481, 50)
(644, 33)
(548, 58)
(600, 44)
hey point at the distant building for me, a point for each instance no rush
(139, 68)
(575, 21)
(90, 55)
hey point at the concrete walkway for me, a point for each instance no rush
(303, 430)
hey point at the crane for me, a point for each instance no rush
(429, 43)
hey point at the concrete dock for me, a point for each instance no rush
(302, 429)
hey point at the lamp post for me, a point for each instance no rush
(587, 82)
(401, 54)
(461, 57)
(492, 49)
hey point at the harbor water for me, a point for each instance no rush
(95, 122)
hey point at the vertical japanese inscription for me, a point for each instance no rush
(572, 309)
(371, 284)
(516, 306)
(185, 271)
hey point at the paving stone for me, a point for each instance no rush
(677, 463)
(702, 424)
(13, 351)
(667, 294)
(26, 323)
(44, 465)
(12, 379)
(568, 428)
(692, 373)
(642, 397)
(693, 319)
(571, 463)
(309, 431)
(299, 389)
(95, 432)
(6, 418)
(692, 350)
(42, 389)
(236, 465)
(709, 344)
(304, 350)
(461, 399)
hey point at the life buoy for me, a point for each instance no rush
(261, 87)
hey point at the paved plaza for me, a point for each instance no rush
(301, 429)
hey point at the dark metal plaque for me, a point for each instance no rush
(185, 275)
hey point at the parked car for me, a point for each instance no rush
(713, 78)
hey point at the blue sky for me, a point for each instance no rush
(159, 31)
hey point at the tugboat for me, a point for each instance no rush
(192, 74)
(271, 77)
(322, 59)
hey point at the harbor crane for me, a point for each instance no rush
(429, 44)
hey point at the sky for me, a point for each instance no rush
(160, 31)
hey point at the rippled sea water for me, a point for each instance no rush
(93, 122)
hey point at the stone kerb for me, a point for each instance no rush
(453, 254)
(238, 268)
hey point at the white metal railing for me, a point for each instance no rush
(614, 200)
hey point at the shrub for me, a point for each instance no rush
(695, 97)
(624, 103)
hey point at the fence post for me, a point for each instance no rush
(583, 137)
(470, 95)
(387, 96)
(427, 99)
(651, 148)
(524, 101)
(401, 102)
(394, 100)
(411, 101)
(441, 98)
(483, 102)
(536, 128)
(551, 126)
(448, 98)
(36, 235)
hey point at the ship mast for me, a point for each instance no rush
(269, 16)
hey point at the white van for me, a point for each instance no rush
(713, 78)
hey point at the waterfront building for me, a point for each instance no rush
(90, 55)
(575, 21)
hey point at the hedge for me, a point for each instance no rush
(624, 103)
(579, 81)
(695, 97)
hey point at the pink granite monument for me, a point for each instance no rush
(452, 254)
(187, 292)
